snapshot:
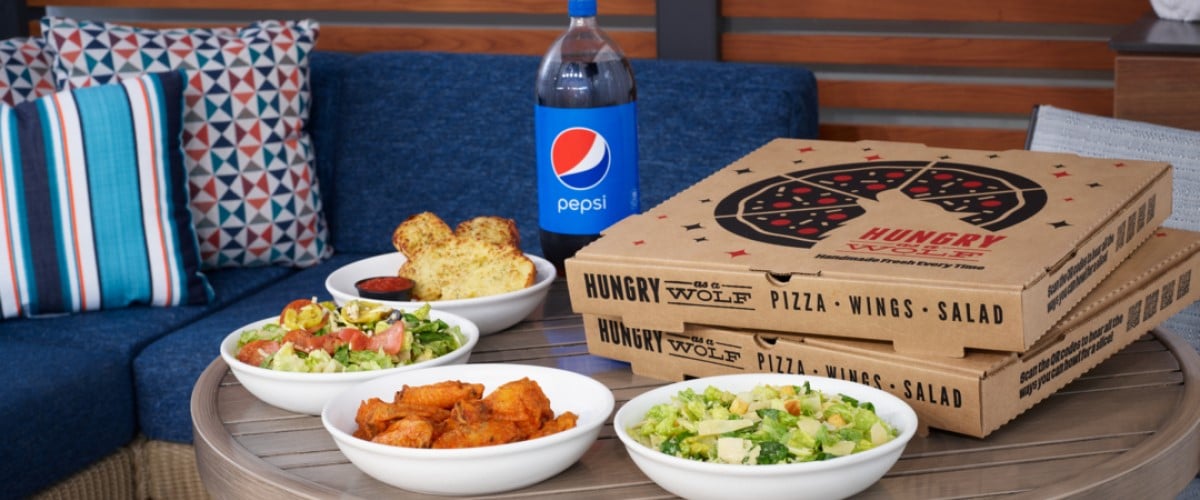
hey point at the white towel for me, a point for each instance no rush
(1179, 10)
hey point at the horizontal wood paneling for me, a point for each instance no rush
(1024, 11)
(605, 7)
(961, 51)
(960, 97)
(974, 65)
(344, 38)
(637, 44)
(950, 137)
(957, 52)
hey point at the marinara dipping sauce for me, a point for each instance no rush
(385, 288)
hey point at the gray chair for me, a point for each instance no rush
(1059, 130)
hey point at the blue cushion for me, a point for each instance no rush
(122, 333)
(166, 371)
(69, 399)
(96, 201)
(410, 143)
(415, 138)
(64, 408)
(696, 117)
(325, 75)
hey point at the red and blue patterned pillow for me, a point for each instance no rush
(253, 186)
(93, 201)
(24, 70)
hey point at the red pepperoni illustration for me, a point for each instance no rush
(800, 208)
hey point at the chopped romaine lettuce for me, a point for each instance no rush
(766, 425)
(423, 338)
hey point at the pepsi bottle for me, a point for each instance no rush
(585, 123)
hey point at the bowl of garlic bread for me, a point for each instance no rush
(475, 269)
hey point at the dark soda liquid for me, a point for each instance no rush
(557, 247)
(581, 84)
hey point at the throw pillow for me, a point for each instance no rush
(255, 197)
(24, 70)
(93, 201)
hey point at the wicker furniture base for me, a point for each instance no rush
(142, 470)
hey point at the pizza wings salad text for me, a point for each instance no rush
(321, 337)
(767, 425)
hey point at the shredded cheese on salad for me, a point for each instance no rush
(766, 425)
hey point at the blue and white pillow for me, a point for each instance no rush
(94, 203)
(255, 196)
(25, 70)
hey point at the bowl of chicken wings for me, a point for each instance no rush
(470, 429)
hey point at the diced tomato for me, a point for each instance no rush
(390, 340)
(330, 343)
(254, 353)
(304, 341)
(356, 338)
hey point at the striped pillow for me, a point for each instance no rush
(94, 204)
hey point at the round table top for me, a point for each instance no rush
(1129, 428)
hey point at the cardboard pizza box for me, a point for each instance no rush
(972, 395)
(934, 250)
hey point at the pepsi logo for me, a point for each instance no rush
(580, 157)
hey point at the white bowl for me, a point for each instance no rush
(492, 313)
(482, 470)
(836, 478)
(308, 392)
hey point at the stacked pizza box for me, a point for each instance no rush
(927, 272)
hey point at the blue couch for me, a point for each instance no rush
(395, 134)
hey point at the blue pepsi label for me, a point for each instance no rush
(586, 167)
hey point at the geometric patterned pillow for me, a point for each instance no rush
(95, 201)
(255, 198)
(24, 70)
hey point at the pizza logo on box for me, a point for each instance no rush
(800, 208)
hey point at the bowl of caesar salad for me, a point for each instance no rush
(765, 436)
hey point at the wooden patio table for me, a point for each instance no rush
(1130, 428)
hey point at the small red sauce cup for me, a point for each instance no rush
(384, 288)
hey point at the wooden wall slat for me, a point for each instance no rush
(344, 38)
(950, 137)
(935, 98)
(605, 7)
(917, 51)
(960, 97)
(1026, 11)
(636, 44)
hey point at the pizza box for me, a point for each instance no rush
(934, 250)
(972, 395)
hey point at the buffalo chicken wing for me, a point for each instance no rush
(454, 414)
